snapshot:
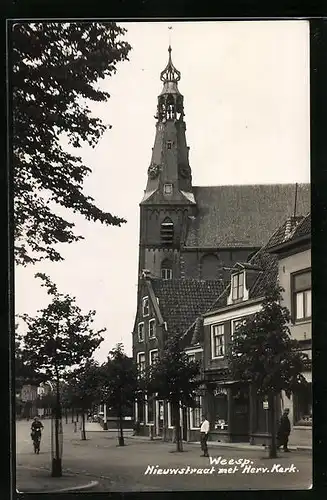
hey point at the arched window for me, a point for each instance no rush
(167, 231)
(209, 267)
(166, 270)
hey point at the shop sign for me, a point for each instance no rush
(220, 391)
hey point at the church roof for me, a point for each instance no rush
(181, 301)
(243, 215)
(266, 265)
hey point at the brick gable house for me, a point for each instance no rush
(192, 235)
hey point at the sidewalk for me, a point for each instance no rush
(37, 480)
(247, 446)
(237, 446)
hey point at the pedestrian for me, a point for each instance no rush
(204, 434)
(284, 430)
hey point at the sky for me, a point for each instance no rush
(246, 100)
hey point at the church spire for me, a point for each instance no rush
(169, 173)
(170, 74)
(170, 101)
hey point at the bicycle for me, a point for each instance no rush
(36, 438)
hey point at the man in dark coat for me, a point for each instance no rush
(284, 431)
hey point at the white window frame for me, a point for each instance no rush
(168, 185)
(145, 300)
(152, 322)
(305, 292)
(151, 351)
(192, 428)
(138, 361)
(147, 412)
(221, 356)
(138, 331)
(166, 273)
(238, 288)
(169, 419)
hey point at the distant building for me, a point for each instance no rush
(190, 236)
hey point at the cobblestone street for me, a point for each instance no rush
(124, 468)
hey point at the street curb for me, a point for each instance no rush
(86, 486)
(249, 447)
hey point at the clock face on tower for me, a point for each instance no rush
(153, 171)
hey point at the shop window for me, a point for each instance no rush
(139, 411)
(301, 295)
(196, 413)
(303, 406)
(150, 409)
(220, 408)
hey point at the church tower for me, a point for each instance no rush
(168, 200)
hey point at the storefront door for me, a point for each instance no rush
(240, 414)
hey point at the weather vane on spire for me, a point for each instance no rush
(170, 28)
(170, 73)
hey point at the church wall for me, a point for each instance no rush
(153, 259)
(192, 262)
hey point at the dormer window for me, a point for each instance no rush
(168, 188)
(238, 286)
(145, 306)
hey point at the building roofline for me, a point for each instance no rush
(232, 307)
(286, 245)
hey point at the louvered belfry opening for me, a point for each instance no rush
(167, 232)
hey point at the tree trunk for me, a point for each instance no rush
(179, 445)
(83, 434)
(56, 461)
(66, 415)
(272, 422)
(121, 435)
(76, 416)
(72, 415)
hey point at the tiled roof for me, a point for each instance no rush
(266, 265)
(285, 231)
(181, 301)
(268, 276)
(243, 215)
(303, 229)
